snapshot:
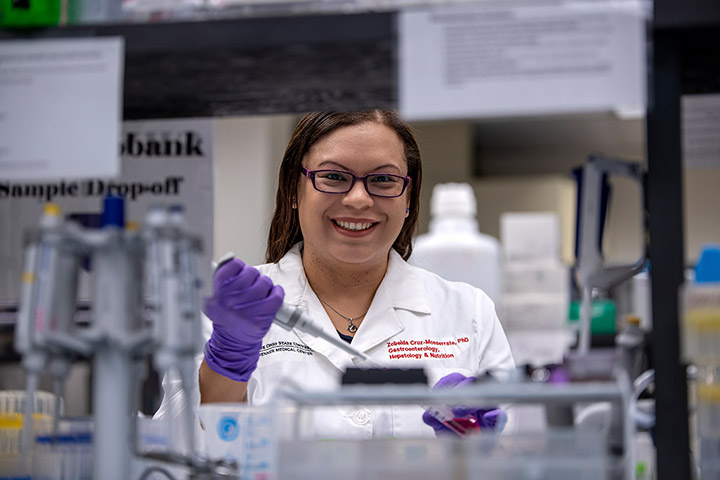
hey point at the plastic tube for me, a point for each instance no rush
(31, 387)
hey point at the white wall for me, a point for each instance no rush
(446, 149)
(702, 209)
(248, 152)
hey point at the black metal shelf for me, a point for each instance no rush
(685, 47)
(685, 14)
(252, 65)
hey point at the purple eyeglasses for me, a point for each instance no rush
(384, 185)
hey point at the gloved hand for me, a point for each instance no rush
(242, 308)
(488, 418)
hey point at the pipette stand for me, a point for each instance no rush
(145, 301)
(590, 265)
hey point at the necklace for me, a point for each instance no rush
(352, 328)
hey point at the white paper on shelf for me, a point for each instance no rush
(700, 127)
(517, 57)
(60, 108)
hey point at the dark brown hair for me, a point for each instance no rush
(285, 226)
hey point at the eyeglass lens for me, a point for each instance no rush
(380, 184)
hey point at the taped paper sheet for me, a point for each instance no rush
(60, 108)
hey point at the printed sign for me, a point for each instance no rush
(164, 162)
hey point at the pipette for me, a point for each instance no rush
(289, 317)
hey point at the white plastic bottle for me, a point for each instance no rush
(454, 248)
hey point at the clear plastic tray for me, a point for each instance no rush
(555, 455)
(537, 456)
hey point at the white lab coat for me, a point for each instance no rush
(416, 319)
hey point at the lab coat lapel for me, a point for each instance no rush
(401, 289)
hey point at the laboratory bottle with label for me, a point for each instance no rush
(454, 247)
(701, 346)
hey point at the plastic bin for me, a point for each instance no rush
(248, 435)
(390, 459)
(554, 455)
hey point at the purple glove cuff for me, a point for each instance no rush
(488, 418)
(236, 362)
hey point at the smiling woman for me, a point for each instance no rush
(346, 210)
(313, 128)
(328, 222)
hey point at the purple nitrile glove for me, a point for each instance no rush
(488, 418)
(242, 308)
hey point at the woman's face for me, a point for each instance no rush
(355, 227)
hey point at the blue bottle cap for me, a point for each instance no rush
(707, 269)
(113, 212)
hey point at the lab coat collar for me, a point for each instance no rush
(400, 277)
(402, 286)
(401, 289)
(381, 321)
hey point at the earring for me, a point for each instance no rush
(407, 210)
(294, 204)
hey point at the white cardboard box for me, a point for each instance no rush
(540, 276)
(530, 236)
(533, 311)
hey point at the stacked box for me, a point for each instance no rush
(536, 288)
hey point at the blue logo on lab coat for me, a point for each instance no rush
(227, 429)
